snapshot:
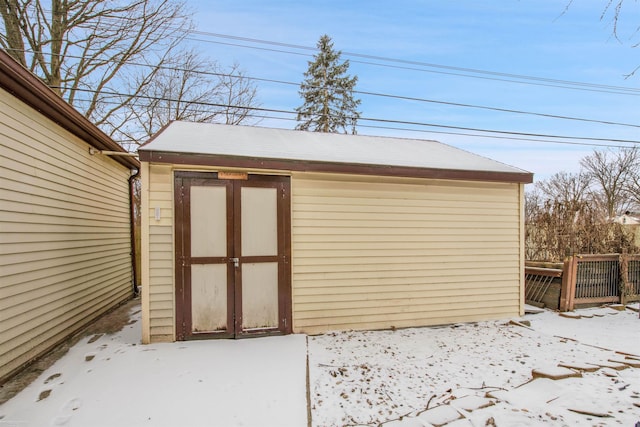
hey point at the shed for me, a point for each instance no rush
(65, 229)
(252, 231)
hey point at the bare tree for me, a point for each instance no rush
(572, 213)
(121, 65)
(610, 172)
(87, 50)
(614, 11)
(191, 89)
(568, 188)
(238, 95)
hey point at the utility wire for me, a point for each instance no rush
(453, 70)
(379, 120)
(564, 83)
(391, 96)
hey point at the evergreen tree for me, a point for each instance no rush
(327, 91)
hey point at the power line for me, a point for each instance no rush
(424, 66)
(544, 80)
(555, 138)
(392, 96)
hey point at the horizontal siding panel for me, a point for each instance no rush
(161, 305)
(162, 333)
(377, 254)
(433, 231)
(65, 250)
(86, 258)
(418, 297)
(45, 137)
(446, 226)
(30, 163)
(29, 204)
(51, 302)
(162, 190)
(428, 255)
(162, 317)
(11, 238)
(166, 295)
(361, 260)
(453, 218)
(376, 204)
(392, 306)
(438, 315)
(53, 280)
(344, 286)
(72, 219)
(314, 326)
(64, 229)
(32, 258)
(59, 320)
(49, 244)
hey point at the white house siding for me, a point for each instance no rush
(375, 252)
(157, 254)
(64, 233)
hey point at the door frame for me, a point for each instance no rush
(183, 327)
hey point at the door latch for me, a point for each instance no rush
(235, 261)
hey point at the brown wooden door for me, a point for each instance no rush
(232, 256)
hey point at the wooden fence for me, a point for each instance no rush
(587, 280)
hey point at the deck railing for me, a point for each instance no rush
(587, 279)
(537, 283)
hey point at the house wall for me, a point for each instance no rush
(370, 252)
(158, 277)
(64, 234)
(398, 253)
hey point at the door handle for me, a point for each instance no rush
(235, 261)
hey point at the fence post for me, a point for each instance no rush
(568, 288)
(624, 277)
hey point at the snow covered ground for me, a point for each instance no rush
(115, 381)
(355, 378)
(392, 377)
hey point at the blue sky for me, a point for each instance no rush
(527, 37)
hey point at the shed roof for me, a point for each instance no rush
(28, 88)
(282, 149)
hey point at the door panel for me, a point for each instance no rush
(208, 297)
(259, 222)
(209, 218)
(232, 256)
(259, 296)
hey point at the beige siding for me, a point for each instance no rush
(369, 252)
(376, 252)
(64, 233)
(158, 264)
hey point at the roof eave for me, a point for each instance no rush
(25, 86)
(225, 161)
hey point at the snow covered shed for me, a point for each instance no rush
(65, 245)
(252, 231)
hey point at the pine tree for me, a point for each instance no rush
(327, 91)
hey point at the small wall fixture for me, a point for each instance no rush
(93, 151)
(157, 213)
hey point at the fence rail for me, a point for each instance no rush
(537, 283)
(587, 279)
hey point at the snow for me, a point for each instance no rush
(475, 374)
(367, 378)
(268, 143)
(116, 381)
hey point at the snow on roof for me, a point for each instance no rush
(283, 144)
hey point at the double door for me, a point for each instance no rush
(232, 255)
